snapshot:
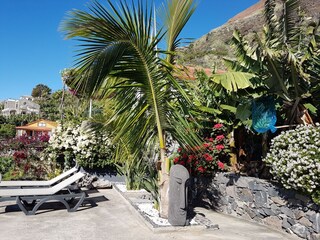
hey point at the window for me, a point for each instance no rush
(41, 124)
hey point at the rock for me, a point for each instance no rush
(222, 179)
(231, 191)
(250, 212)
(260, 198)
(241, 182)
(298, 214)
(245, 195)
(224, 200)
(240, 211)
(279, 201)
(253, 185)
(240, 204)
(268, 212)
(286, 224)
(273, 221)
(315, 219)
(102, 184)
(258, 219)
(229, 209)
(259, 212)
(273, 192)
(230, 199)
(314, 207)
(275, 209)
(222, 189)
(315, 236)
(87, 181)
(287, 211)
(234, 206)
(305, 222)
(291, 221)
(246, 216)
(300, 230)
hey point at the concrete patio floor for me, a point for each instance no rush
(109, 216)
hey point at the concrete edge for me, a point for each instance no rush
(155, 228)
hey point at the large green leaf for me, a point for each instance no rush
(243, 111)
(232, 81)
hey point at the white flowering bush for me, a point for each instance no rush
(71, 142)
(294, 159)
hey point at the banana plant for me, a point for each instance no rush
(282, 60)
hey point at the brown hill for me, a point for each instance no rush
(209, 50)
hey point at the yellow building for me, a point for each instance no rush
(40, 126)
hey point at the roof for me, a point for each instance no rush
(32, 128)
(189, 72)
(35, 126)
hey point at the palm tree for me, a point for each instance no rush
(118, 57)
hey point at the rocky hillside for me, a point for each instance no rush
(212, 47)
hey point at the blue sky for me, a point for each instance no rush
(33, 51)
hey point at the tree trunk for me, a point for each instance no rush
(164, 186)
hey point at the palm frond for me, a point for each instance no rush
(175, 14)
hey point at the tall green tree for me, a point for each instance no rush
(41, 91)
(118, 57)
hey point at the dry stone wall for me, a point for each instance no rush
(264, 202)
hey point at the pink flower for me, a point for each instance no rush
(219, 137)
(73, 92)
(210, 139)
(176, 160)
(191, 158)
(206, 145)
(182, 163)
(219, 147)
(220, 165)
(201, 169)
(218, 125)
(207, 157)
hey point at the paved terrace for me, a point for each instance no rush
(113, 217)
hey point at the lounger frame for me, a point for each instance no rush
(67, 199)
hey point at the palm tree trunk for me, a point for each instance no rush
(163, 183)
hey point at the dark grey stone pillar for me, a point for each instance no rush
(178, 202)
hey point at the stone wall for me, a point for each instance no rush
(262, 201)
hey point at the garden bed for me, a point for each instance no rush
(142, 202)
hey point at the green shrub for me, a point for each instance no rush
(6, 163)
(294, 159)
(7, 131)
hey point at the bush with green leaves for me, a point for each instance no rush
(7, 131)
(71, 142)
(294, 159)
(6, 163)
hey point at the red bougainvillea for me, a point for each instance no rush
(211, 156)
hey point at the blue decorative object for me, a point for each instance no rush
(264, 115)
